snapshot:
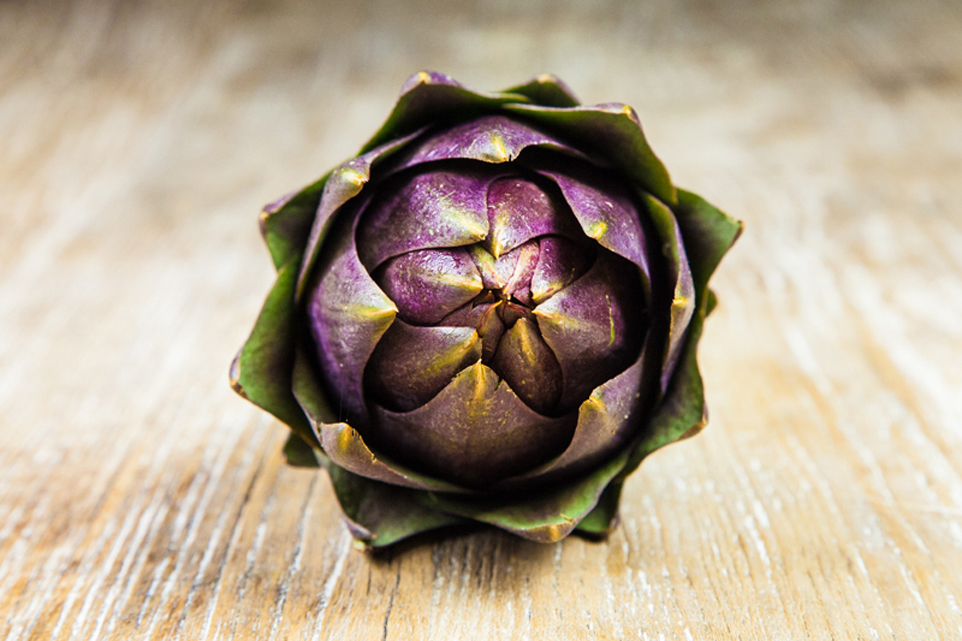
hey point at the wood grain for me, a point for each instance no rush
(140, 499)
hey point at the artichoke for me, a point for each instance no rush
(491, 314)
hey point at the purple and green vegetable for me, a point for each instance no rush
(491, 314)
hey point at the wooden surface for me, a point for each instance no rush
(140, 498)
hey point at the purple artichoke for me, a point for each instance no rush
(491, 314)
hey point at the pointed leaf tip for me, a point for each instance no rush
(708, 234)
(262, 370)
(430, 98)
(426, 77)
(379, 515)
(547, 90)
(298, 453)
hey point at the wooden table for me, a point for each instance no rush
(140, 498)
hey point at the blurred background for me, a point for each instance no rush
(139, 498)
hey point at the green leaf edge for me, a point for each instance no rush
(448, 100)
(299, 453)
(379, 515)
(581, 126)
(262, 370)
(601, 520)
(708, 234)
(546, 90)
(546, 515)
(286, 224)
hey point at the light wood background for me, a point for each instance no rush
(140, 498)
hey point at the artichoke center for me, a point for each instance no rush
(507, 307)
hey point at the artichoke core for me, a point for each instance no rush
(496, 286)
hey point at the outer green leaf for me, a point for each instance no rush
(711, 303)
(601, 520)
(310, 395)
(546, 90)
(379, 514)
(546, 516)
(431, 98)
(609, 131)
(708, 234)
(261, 372)
(286, 223)
(683, 301)
(682, 411)
(298, 453)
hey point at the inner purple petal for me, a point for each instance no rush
(427, 285)
(432, 210)
(443, 266)
(520, 210)
(560, 262)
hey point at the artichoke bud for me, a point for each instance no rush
(489, 314)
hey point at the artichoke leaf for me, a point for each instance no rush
(611, 131)
(594, 325)
(547, 90)
(348, 314)
(453, 436)
(682, 306)
(682, 411)
(299, 453)
(343, 183)
(603, 205)
(346, 448)
(520, 210)
(412, 364)
(439, 209)
(607, 422)
(286, 223)
(711, 303)
(604, 517)
(310, 395)
(493, 139)
(342, 444)
(262, 370)
(708, 234)
(545, 516)
(378, 514)
(431, 98)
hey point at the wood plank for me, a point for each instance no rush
(141, 499)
